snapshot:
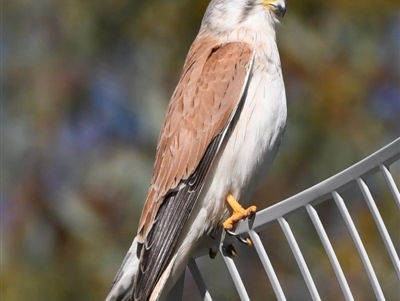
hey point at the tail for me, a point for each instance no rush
(122, 286)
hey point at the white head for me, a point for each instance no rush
(225, 15)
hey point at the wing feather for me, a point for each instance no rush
(201, 109)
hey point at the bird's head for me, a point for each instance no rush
(228, 14)
(276, 7)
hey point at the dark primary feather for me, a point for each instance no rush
(216, 99)
(171, 218)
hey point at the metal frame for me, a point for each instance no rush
(331, 188)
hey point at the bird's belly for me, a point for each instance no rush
(242, 161)
(248, 151)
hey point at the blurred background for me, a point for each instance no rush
(85, 86)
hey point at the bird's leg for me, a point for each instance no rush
(238, 214)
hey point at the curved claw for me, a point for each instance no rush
(231, 233)
(247, 241)
(230, 251)
(212, 253)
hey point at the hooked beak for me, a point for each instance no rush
(278, 7)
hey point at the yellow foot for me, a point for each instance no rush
(238, 214)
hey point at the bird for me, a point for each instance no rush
(223, 128)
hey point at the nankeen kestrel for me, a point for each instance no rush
(222, 131)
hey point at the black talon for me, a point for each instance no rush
(212, 253)
(242, 240)
(230, 232)
(230, 250)
(239, 238)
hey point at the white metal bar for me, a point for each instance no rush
(267, 266)
(392, 185)
(322, 191)
(330, 252)
(359, 245)
(299, 258)
(379, 161)
(236, 278)
(233, 271)
(381, 226)
(194, 270)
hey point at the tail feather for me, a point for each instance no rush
(121, 289)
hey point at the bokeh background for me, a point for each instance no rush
(85, 86)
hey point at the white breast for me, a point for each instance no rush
(254, 142)
(249, 147)
(252, 145)
(246, 154)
